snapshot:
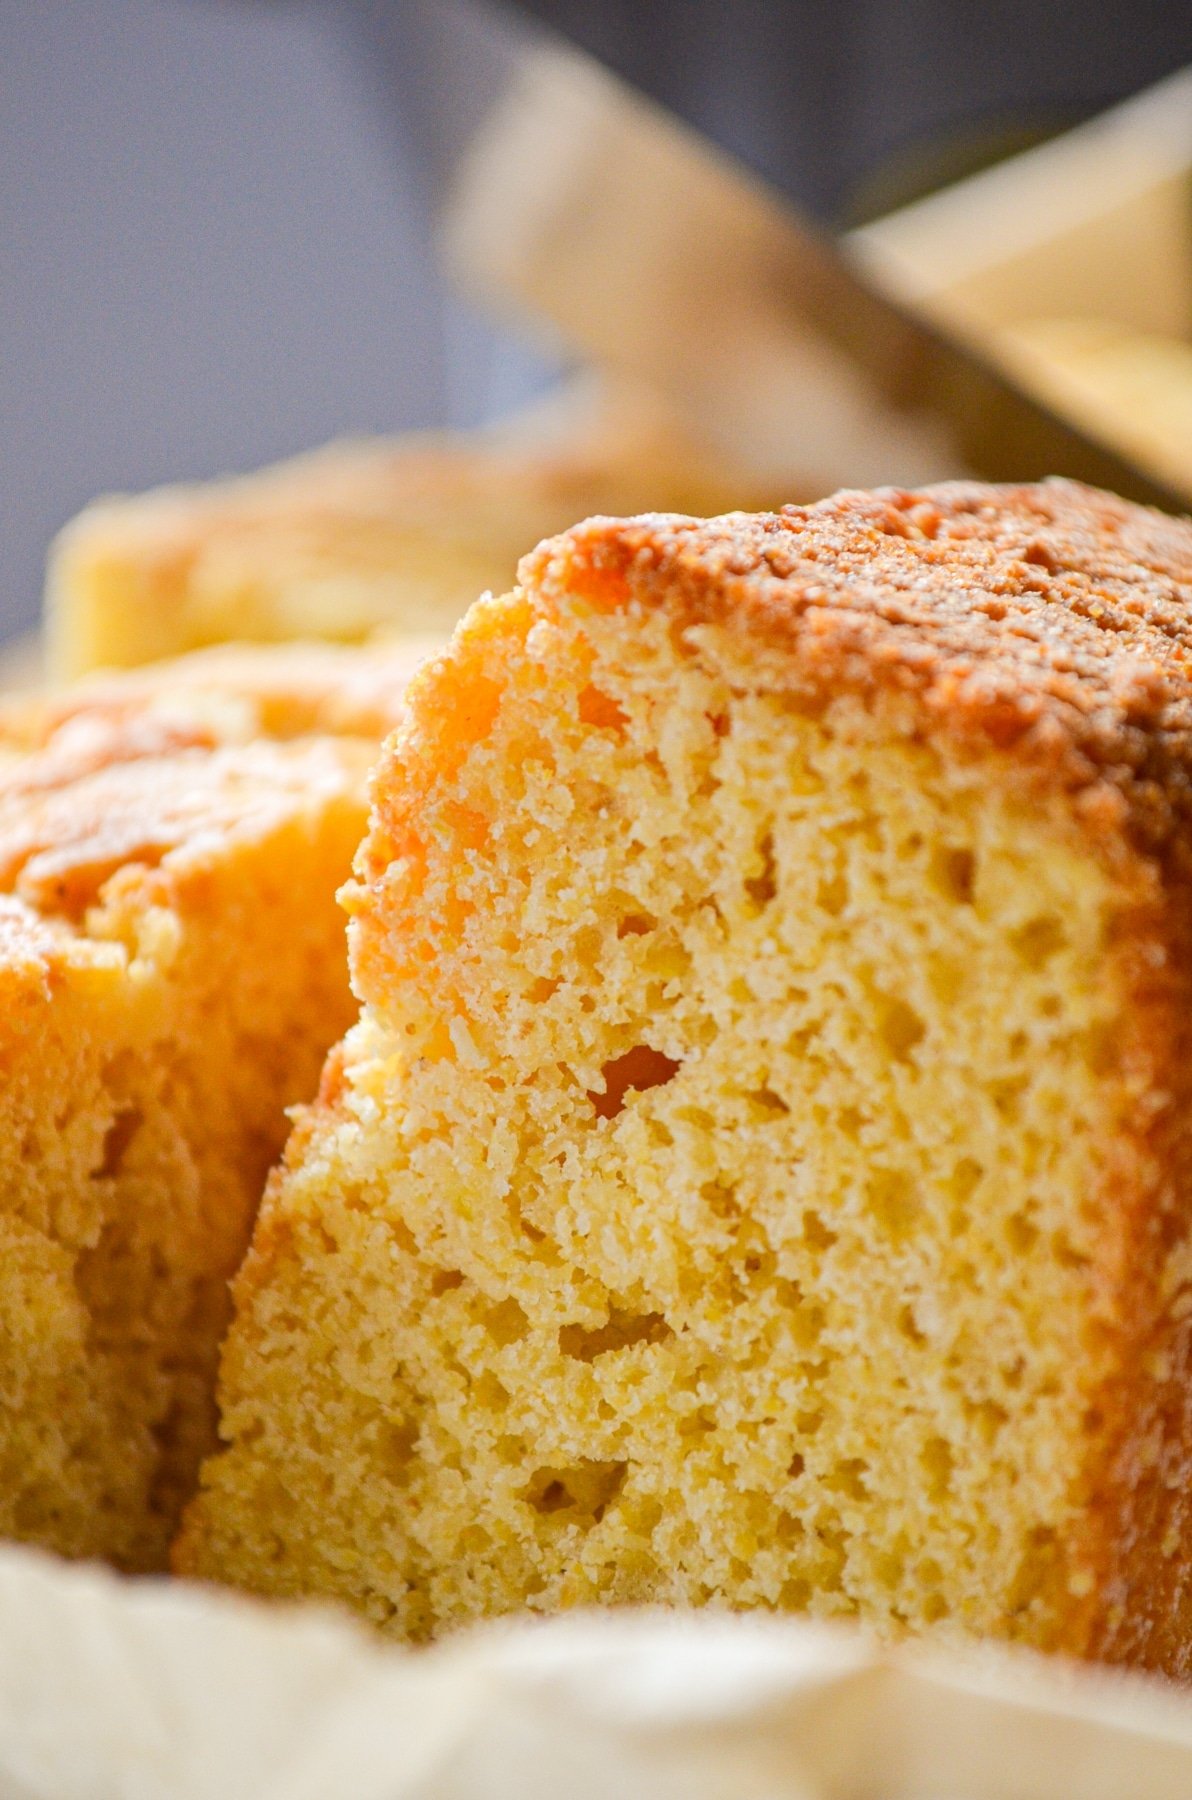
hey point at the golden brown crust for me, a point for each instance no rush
(462, 487)
(156, 769)
(228, 692)
(1053, 618)
(59, 845)
(1128, 1611)
(1140, 1506)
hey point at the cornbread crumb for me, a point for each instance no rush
(759, 1175)
(172, 972)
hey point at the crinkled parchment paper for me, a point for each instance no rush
(114, 1690)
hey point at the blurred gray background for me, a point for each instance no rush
(214, 250)
(214, 214)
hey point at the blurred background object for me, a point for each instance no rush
(217, 213)
(1069, 266)
(372, 535)
(216, 251)
(820, 361)
(853, 107)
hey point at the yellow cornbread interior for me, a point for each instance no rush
(150, 1046)
(709, 1208)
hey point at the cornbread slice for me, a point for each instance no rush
(760, 1173)
(172, 972)
(398, 533)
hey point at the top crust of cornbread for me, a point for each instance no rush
(1052, 619)
(130, 767)
(231, 693)
(463, 488)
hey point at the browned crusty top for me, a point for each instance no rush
(180, 812)
(1052, 618)
(174, 767)
(228, 693)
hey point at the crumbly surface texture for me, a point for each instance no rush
(228, 693)
(172, 972)
(398, 534)
(759, 1175)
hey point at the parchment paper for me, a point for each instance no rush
(141, 1690)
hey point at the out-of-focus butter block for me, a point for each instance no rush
(156, 1689)
(399, 533)
(1071, 266)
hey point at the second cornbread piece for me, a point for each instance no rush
(399, 533)
(172, 971)
(761, 1173)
